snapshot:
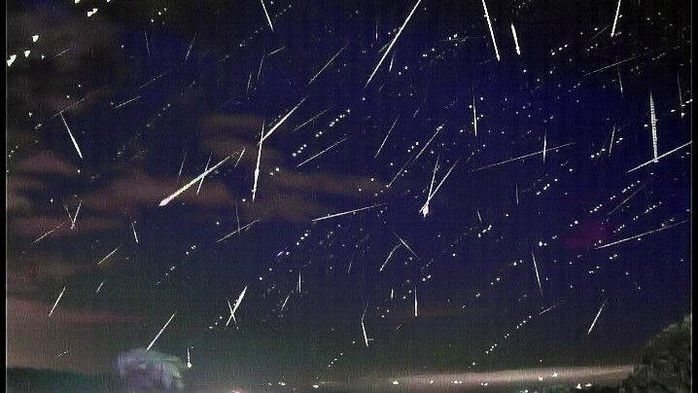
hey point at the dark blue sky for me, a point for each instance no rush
(151, 91)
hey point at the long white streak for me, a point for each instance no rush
(516, 191)
(654, 160)
(99, 288)
(521, 157)
(280, 122)
(545, 145)
(283, 305)
(276, 51)
(239, 157)
(620, 82)
(49, 232)
(61, 53)
(299, 286)
(598, 34)
(425, 208)
(147, 46)
(347, 212)
(626, 199)
(443, 179)
(407, 246)
(322, 152)
(160, 332)
(641, 235)
(438, 129)
(386, 136)
(311, 119)
(535, 267)
(551, 307)
(385, 54)
(389, 255)
(363, 327)
(489, 24)
(610, 145)
(327, 64)
(249, 81)
(60, 295)
(127, 102)
(191, 45)
(237, 231)
(188, 359)
(259, 70)
(653, 122)
(153, 80)
(70, 216)
(72, 138)
(615, 20)
(135, 235)
(392, 59)
(205, 169)
(232, 315)
(433, 179)
(264, 7)
(181, 166)
(399, 172)
(415, 302)
(235, 307)
(678, 83)
(516, 39)
(108, 255)
(614, 64)
(75, 216)
(191, 183)
(474, 117)
(600, 309)
(259, 160)
(69, 107)
(237, 217)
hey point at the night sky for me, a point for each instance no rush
(517, 196)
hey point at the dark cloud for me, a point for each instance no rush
(192, 69)
(45, 163)
(37, 341)
(36, 226)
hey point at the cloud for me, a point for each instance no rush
(225, 145)
(68, 43)
(36, 226)
(327, 183)
(233, 124)
(284, 192)
(45, 163)
(292, 207)
(89, 336)
(17, 187)
(37, 311)
(137, 189)
(28, 274)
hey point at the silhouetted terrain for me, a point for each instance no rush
(27, 380)
(665, 363)
(664, 366)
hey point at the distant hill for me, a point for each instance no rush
(664, 366)
(665, 362)
(28, 380)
